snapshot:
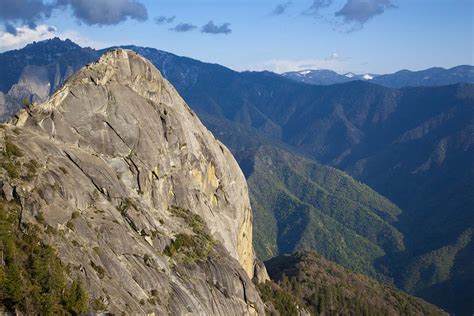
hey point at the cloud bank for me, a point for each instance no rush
(164, 19)
(282, 8)
(9, 28)
(212, 28)
(25, 11)
(354, 12)
(361, 11)
(316, 6)
(183, 27)
(90, 12)
(106, 12)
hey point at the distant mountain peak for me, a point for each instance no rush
(53, 43)
(305, 72)
(435, 76)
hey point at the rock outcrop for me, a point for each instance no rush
(8, 106)
(136, 195)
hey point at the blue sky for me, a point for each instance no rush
(377, 36)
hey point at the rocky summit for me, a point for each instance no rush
(136, 196)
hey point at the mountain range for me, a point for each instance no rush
(435, 76)
(411, 223)
(325, 76)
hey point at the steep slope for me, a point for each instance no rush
(445, 274)
(139, 199)
(8, 107)
(326, 288)
(300, 204)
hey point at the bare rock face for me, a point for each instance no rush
(134, 192)
(3, 101)
(8, 106)
(34, 84)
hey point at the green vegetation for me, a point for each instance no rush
(99, 269)
(190, 248)
(32, 278)
(25, 102)
(40, 217)
(194, 221)
(8, 159)
(300, 204)
(70, 225)
(16, 167)
(12, 150)
(324, 288)
(31, 169)
(11, 169)
(435, 273)
(98, 304)
(281, 300)
(76, 298)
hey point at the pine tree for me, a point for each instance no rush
(14, 289)
(76, 298)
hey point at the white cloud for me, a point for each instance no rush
(333, 62)
(26, 35)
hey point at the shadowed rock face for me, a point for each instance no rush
(114, 164)
(8, 107)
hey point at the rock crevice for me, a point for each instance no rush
(117, 149)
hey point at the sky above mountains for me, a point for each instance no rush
(377, 36)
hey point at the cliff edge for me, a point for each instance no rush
(136, 195)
